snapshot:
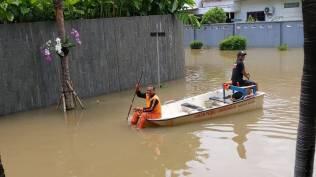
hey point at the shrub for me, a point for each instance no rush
(196, 44)
(215, 15)
(233, 43)
(283, 47)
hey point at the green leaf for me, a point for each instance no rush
(71, 2)
(24, 10)
(78, 11)
(174, 6)
(137, 4)
(9, 16)
(34, 2)
(68, 45)
(14, 2)
(189, 19)
(190, 3)
(4, 6)
(40, 7)
(108, 2)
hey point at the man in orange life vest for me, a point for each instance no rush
(152, 109)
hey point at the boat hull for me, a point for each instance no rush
(228, 109)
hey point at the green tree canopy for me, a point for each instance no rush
(14, 11)
(215, 15)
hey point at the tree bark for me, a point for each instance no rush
(1, 169)
(65, 74)
(305, 145)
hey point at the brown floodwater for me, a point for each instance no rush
(97, 142)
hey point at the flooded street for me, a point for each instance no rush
(97, 142)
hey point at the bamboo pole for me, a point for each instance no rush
(75, 95)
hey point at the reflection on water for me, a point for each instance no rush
(97, 142)
(72, 118)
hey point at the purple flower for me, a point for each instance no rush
(76, 35)
(48, 58)
(56, 46)
(46, 54)
(78, 41)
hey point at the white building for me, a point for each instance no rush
(261, 10)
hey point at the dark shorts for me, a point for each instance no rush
(245, 83)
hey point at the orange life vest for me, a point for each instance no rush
(157, 109)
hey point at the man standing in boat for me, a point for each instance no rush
(152, 109)
(239, 72)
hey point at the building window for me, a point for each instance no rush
(291, 4)
(258, 16)
(230, 16)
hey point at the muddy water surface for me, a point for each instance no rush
(97, 142)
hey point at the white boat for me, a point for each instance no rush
(204, 107)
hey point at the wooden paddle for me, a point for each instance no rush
(130, 107)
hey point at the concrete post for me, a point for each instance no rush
(281, 33)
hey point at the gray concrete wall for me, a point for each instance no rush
(188, 35)
(259, 34)
(293, 34)
(211, 35)
(111, 57)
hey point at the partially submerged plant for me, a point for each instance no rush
(283, 47)
(233, 43)
(196, 44)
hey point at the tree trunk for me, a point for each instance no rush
(1, 169)
(65, 74)
(305, 145)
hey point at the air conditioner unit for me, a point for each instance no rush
(269, 10)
